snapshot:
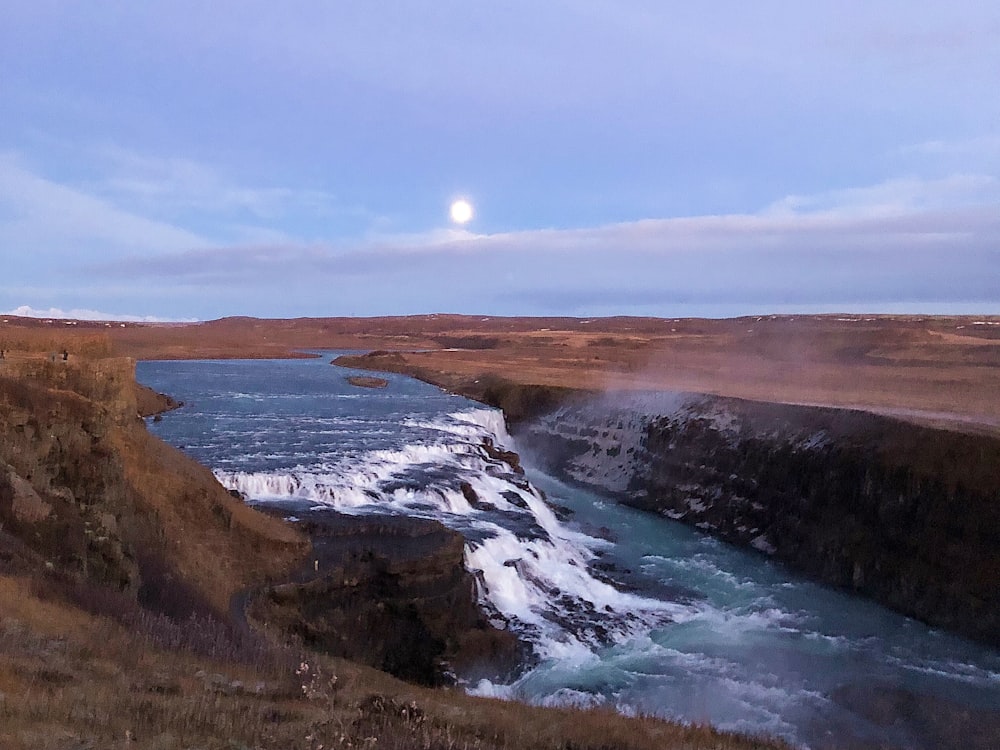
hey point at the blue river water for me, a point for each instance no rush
(622, 609)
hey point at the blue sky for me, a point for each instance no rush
(178, 160)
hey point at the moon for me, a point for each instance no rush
(461, 211)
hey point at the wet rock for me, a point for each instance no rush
(472, 497)
(904, 514)
(505, 456)
(366, 381)
(392, 592)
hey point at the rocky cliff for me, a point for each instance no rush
(908, 515)
(391, 592)
(904, 514)
(87, 495)
(90, 501)
(95, 514)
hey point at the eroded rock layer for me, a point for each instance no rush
(904, 514)
(87, 495)
(392, 592)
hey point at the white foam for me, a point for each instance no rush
(533, 570)
(568, 697)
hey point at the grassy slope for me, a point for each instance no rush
(73, 680)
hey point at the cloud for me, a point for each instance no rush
(172, 184)
(141, 208)
(26, 311)
(926, 243)
(932, 37)
(43, 216)
(962, 155)
(978, 147)
(895, 197)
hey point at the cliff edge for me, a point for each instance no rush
(905, 514)
(87, 495)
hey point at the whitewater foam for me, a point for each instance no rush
(746, 648)
(533, 571)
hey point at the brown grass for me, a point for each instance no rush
(939, 369)
(217, 543)
(73, 680)
(914, 368)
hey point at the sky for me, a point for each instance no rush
(188, 160)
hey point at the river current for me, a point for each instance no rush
(622, 609)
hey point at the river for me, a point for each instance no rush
(622, 609)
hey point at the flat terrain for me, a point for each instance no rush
(930, 369)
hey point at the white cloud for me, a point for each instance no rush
(980, 154)
(978, 147)
(26, 311)
(934, 240)
(894, 197)
(56, 219)
(169, 184)
(140, 206)
(830, 259)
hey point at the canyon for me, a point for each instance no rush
(904, 514)
(141, 602)
(862, 452)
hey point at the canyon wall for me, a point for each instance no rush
(88, 497)
(94, 508)
(904, 514)
(392, 592)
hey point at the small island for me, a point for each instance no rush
(367, 381)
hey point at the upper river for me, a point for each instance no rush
(622, 608)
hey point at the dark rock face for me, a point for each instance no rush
(906, 515)
(943, 724)
(394, 593)
(518, 401)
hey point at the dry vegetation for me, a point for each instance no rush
(927, 368)
(73, 679)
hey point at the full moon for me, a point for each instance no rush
(461, 211)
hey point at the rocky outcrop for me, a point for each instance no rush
(58, 493)
(518, 401)
(87, 495)
(392, 592)
(367, 381)
(904, 514)
(149, 403)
